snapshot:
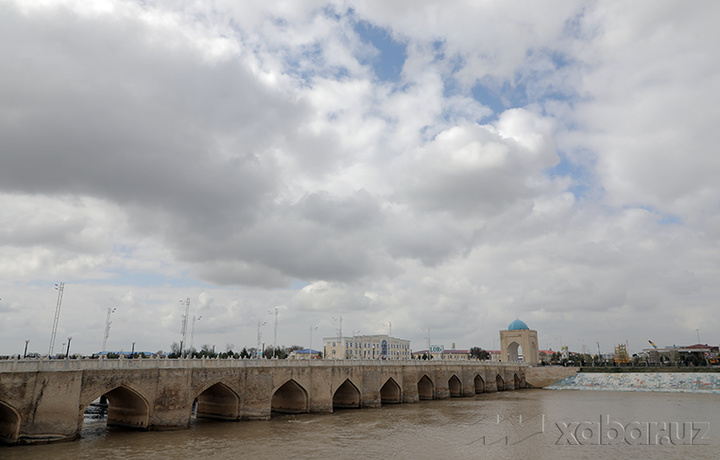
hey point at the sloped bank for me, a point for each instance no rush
(683, 382)
(542, 376)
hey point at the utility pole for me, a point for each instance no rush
(184, 325)
(60, 288)
(110, 311)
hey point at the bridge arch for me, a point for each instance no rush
(9, 423)
(499, 382)
(517, 381)
(390, 393)
(347, 396)
(289, 398)
(479, 384)
(218, 401)
(455, 387)
(426, 389)
(125, 408)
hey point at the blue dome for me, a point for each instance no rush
(517, 325)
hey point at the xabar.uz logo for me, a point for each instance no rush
(513, 431)
(607, 432)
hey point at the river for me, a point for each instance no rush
(526, 424)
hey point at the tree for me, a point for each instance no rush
(175, 351)
(479, 353)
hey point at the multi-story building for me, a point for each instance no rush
(366, 347)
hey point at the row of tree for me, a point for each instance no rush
(281, 352)
(208, 351)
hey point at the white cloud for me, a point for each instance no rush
(229, 151)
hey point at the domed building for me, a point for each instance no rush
(519, 343)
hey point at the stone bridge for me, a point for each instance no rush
(45, 401)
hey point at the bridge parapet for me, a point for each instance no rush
(33, 365)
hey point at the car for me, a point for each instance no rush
(33, 356)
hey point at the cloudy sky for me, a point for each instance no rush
(449, 166)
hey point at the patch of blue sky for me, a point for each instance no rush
(311, 63)
(489, 98)
(388, 62)
(581, 178)
(296, 285)
(560, 60)
(663, 218)
(667, 219)
(307, 64)
(499, 98)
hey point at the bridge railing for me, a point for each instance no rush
(34, 365)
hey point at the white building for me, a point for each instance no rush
(366, 347)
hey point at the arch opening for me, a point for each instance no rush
(455, 387)
(347, 396)
(499, 383)
(390, 393)
(120, 407)
(218, 402)
(425, 388)
(9, 423)
(290, 398)
(479, 384)
(515, 352)
(517, 383)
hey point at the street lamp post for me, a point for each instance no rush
(312, 328)
(354, 347)
(183, 329)
(275, 332)
(132, 353)
(428, 341)
(340, 341)
(110, 311)
(67, 354)
(259, 352)
(192, 332)
(26, 345)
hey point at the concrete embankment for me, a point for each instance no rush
(684, 382)
(542, 376)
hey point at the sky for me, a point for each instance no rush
(430, 169)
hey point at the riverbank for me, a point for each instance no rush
(682, 382)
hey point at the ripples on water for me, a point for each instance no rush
(445, 429)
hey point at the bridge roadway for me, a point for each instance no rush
(44, 400)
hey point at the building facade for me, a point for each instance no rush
(366, 347)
